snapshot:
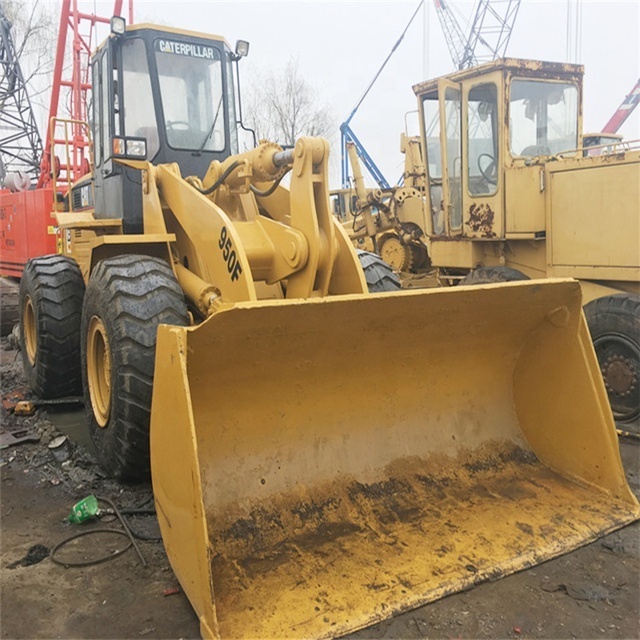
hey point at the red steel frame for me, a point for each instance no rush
(27, 226)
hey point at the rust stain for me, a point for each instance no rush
(481, 218)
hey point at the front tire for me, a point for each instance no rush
(379, 275)
(614, 324)
(127, 298)
(50, 299)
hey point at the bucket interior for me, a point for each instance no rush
(361, 456)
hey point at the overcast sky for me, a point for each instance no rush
(341, 45)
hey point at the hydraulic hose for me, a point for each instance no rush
(221, 179)
(271, 189)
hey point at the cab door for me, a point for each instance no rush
(450, 96)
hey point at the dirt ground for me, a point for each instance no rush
(593, 592)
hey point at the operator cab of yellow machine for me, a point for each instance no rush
(480, 122)
(159, 94)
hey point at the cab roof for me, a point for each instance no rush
(531, 68)
(146, 26)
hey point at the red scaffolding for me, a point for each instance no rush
(67, 148)
(27, 224)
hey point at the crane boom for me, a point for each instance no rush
(489, 34)
(347, 135)
(454, 36)
(624, 110)
(74, 144)
(491, 28)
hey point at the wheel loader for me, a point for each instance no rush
(508, 194)
(216, 321)
(389, 222)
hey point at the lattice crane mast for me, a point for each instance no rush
(489, 33)
(20, 142)
(76, 35)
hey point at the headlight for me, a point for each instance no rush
(132, 148)
(118, 25)
(137, 148)
(242, 48)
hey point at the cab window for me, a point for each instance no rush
(190, 78)
(433, 159)
(482, 139)
(543, 117)
(139, 109)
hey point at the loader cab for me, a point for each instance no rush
(483, 130)
(161, 95)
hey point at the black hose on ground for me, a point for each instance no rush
(125, 532)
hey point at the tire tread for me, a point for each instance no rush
(379, 275)
(56, 288)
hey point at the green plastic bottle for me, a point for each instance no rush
(83, 510)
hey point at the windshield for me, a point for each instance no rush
(543, 117)
(139, 111)
(190, 77)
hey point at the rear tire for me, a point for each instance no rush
(50, 301)
(378, 274)
(486, 275)
(127, 298)
(614, 324)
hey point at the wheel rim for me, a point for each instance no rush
(619, 359)
(99, 371)
(393, 252)
(29, 330)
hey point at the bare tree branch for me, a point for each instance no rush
(34, 33)
(284, 106)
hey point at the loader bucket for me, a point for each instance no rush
(321, 465)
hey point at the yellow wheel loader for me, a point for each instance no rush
(390, 222)
(217, 322)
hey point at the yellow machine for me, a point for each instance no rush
(390, 222)
(509, 195)
(222, 318)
